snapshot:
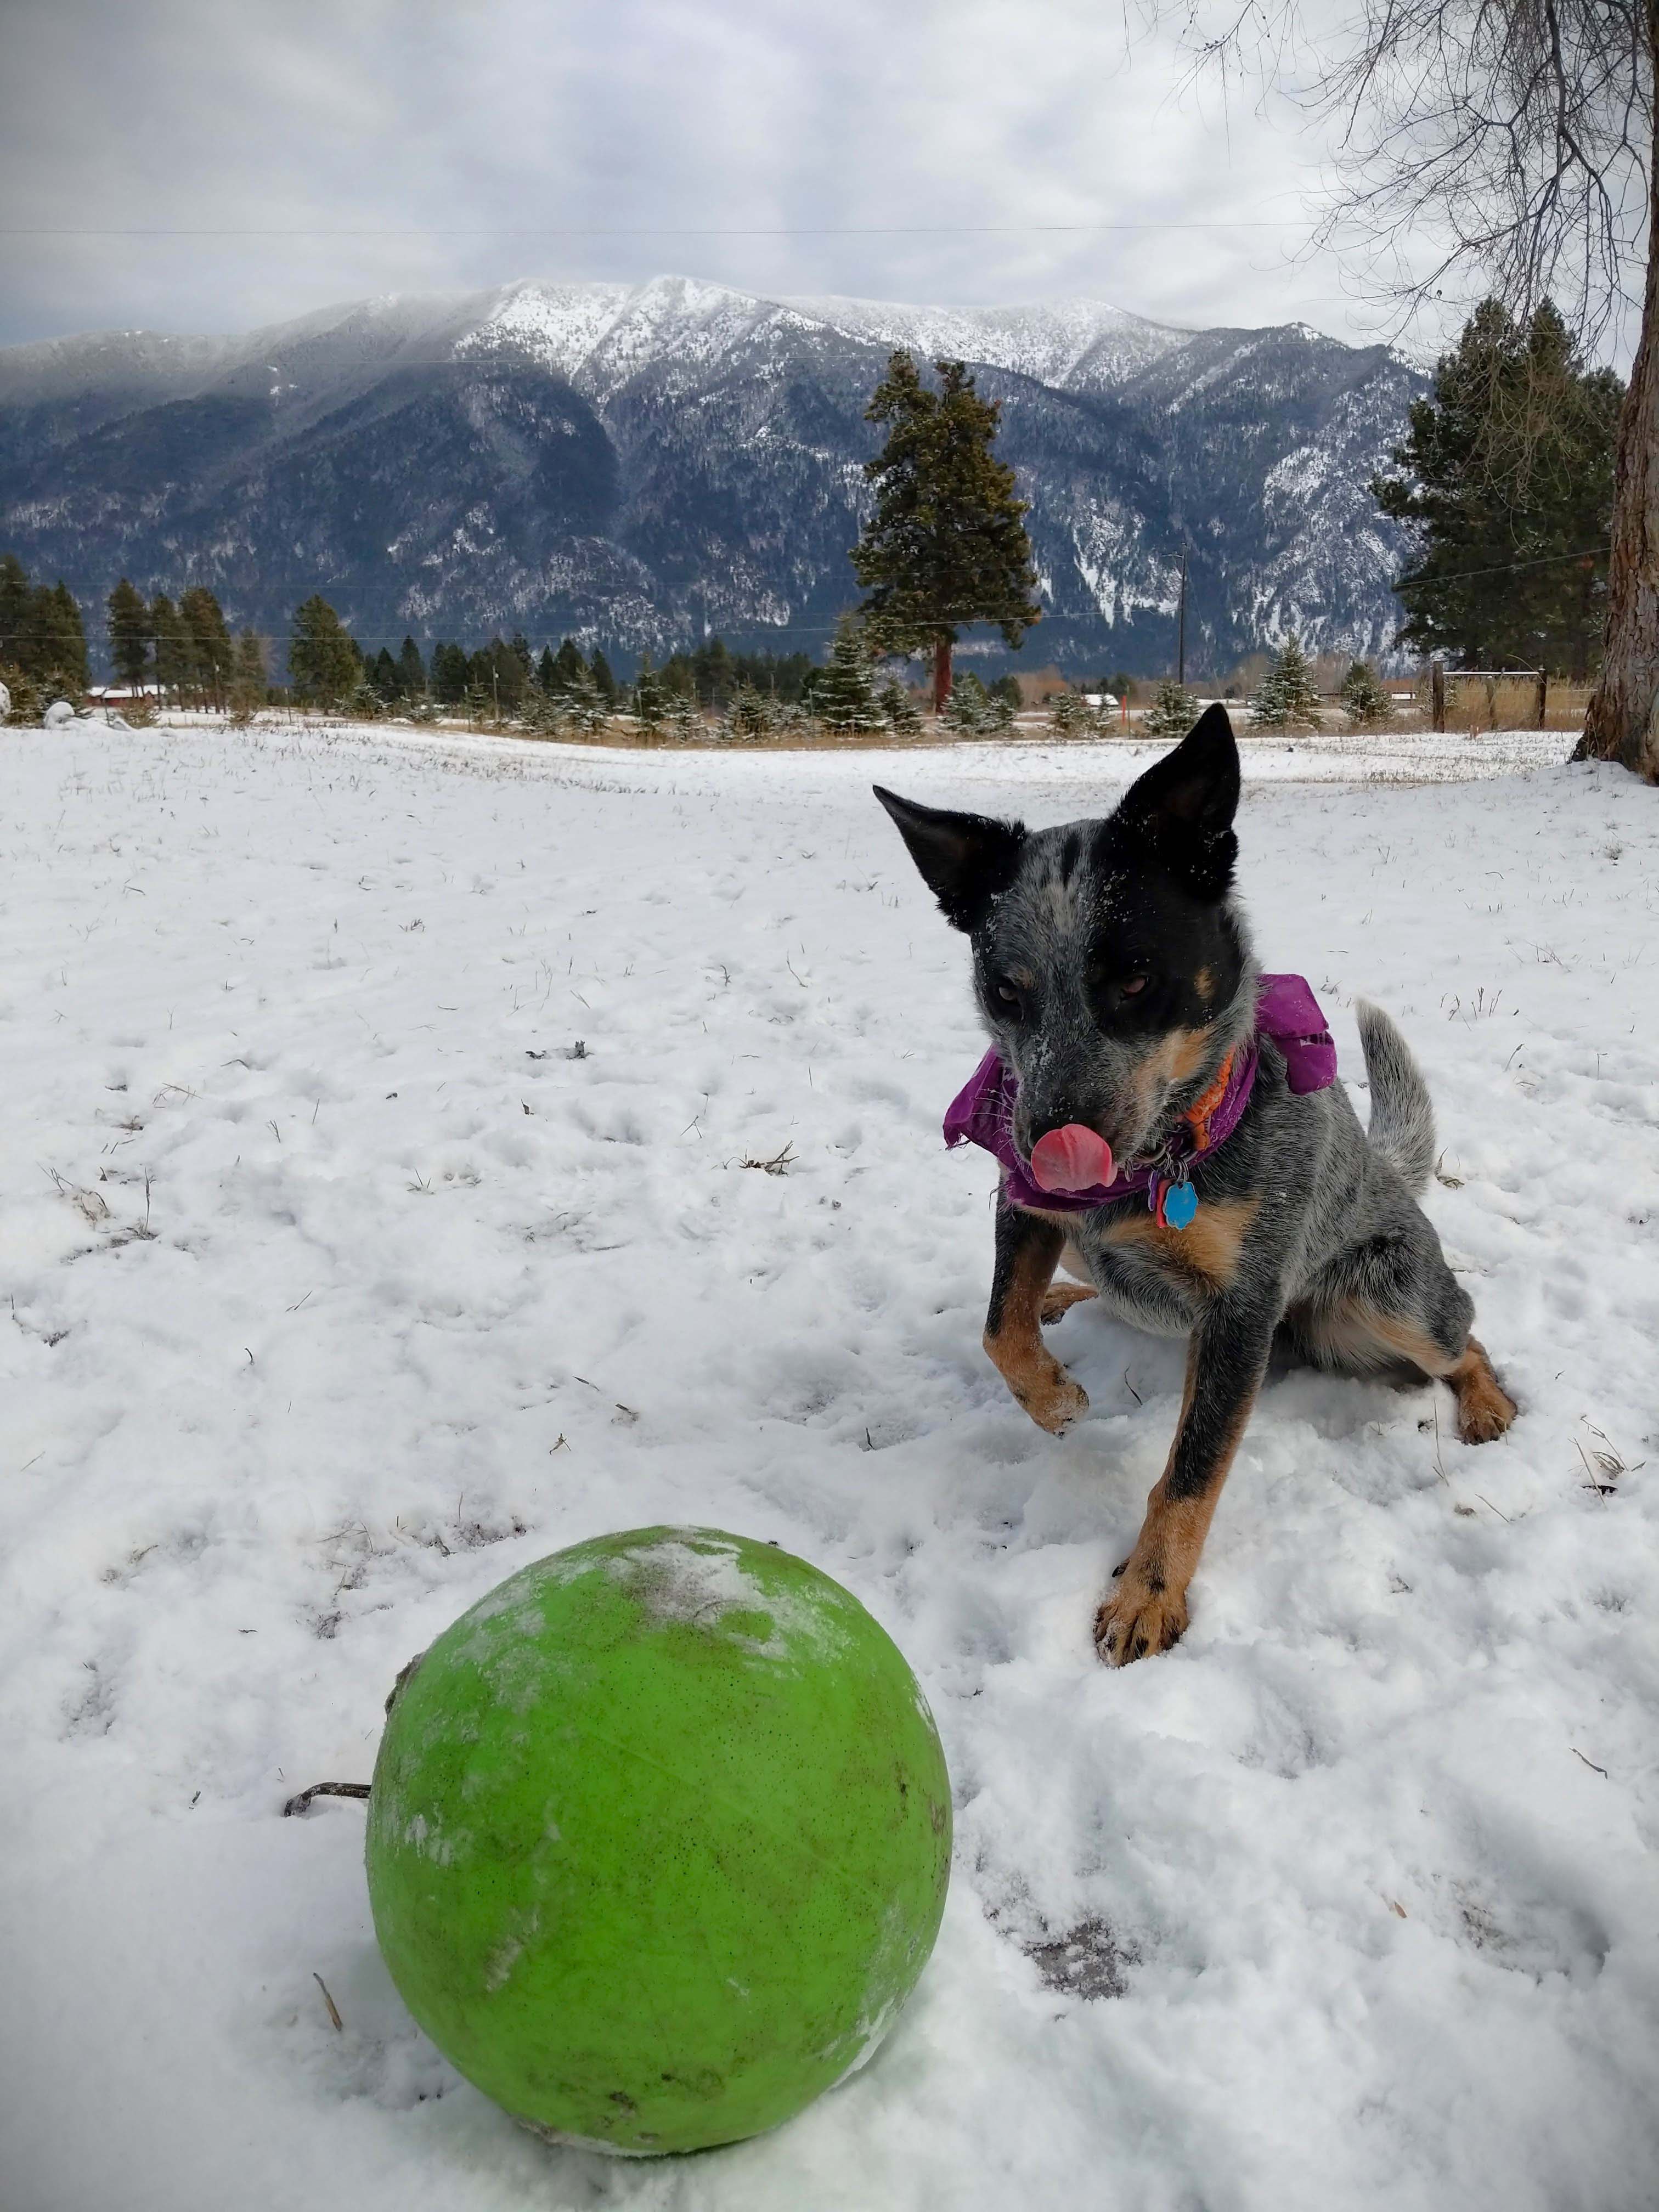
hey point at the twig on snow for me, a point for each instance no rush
(302, 1803)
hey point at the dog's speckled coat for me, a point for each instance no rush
(1113, 969)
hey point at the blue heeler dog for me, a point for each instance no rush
(1113, 973)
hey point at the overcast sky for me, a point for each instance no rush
(784, 119)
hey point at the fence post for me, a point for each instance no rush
(1543, 697)
(1437, 696)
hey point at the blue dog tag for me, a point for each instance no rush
(1180, 1205)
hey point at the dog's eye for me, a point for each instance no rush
(1133, 986)
(1006, 994)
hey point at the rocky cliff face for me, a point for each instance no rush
(638, 464)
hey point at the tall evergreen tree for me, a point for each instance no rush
(713, 673)
(449, 679)
(245, 694)
(1508, 490)
(211, 653)
(605, 683)
(411, 671)
(323, 664)
(57, 639)
(946, 543)
(14, 608)
(129, 632)
(172, 646)
(547, 672)
(569, 667)
(250, 659)
(383, 676)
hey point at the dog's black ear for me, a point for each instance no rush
(1184, 805)
(965, 860)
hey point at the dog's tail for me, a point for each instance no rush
(1402, 1112)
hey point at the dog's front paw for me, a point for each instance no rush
(1137, 1621)
(1059, 1298)
(1054, 1402)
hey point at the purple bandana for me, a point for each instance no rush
(982, 1112)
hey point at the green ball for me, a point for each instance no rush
(658, 1840)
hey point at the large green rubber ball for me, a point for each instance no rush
(658, 1840)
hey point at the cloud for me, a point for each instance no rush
(933, 152)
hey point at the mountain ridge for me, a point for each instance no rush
(639, 463)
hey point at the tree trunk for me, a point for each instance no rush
(941, 674)
(1620, 724)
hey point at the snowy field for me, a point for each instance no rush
(381, 1209)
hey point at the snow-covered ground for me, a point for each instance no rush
(379, 1210)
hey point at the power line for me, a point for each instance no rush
(1502, 569)
(662, 230)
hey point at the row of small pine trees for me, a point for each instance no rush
(1286, 699)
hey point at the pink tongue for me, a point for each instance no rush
(1071, 1158)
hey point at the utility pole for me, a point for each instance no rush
(1181, 625)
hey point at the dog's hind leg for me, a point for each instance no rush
(1027, 1251)
(1398, 1305)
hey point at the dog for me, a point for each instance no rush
(1113, 969)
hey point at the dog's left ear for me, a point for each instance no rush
(965, 860)
(1184, 805)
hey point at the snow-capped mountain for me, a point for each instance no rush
(640, 464)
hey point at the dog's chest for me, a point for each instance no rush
(1161, 1279)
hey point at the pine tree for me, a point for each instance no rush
(323, 664)
(1070, 715)
(569, 669)
(247, 682)
(1172, 713)
(714, 673)
(211, 653)
(411, 671)
(547, 673)
(15, 597)
(251, 661)
(171, 646)
(843, 692)
(946, 543)
(582, 706)
(1285, 698)
(1367, 701)
(898, 708)
(383, 676)
(680, 717)
(129, 634)
(1507, 471)
(751, 715)
(650, 695)
(609, 689)
(55, 642)
(448, 681)
(970, 710)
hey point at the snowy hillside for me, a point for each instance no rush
(639, 463)
(336, 1283)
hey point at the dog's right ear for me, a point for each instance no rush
(965, 860)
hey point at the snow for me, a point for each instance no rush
(338, 1286)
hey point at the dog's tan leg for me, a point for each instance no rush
(1028, 1250)
(1363, 1335)
(1059, 1298)
(1226, 1358)
(1484, 1407)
